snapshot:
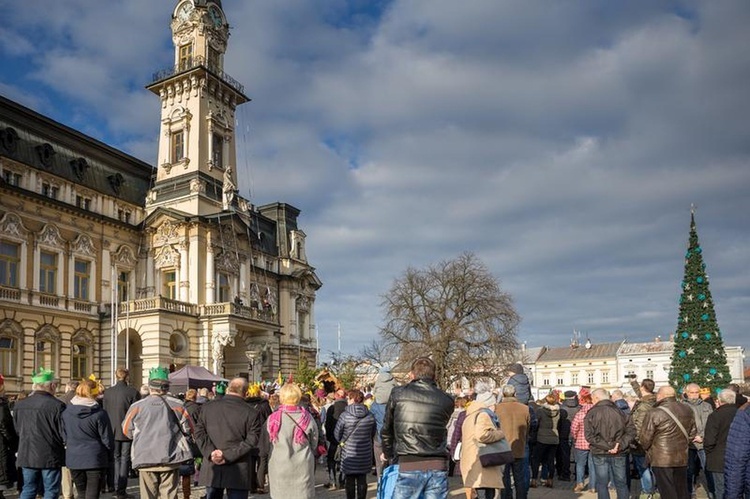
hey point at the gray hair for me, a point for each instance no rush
(600, 394)
(727, 396)
(509, 391)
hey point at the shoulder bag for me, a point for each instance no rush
(495, 453)
(318, 451)
(342, 444)
(674, 418)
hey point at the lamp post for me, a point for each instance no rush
(252, 356)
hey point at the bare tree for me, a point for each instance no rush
(455, 312)
(379, 353)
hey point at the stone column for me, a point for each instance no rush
(184, 273)
(210, 275)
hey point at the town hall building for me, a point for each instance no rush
(107, 261)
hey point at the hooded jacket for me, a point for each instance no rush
(736, 470)
(88, 435)
(549, 418)
(355, 428)
(520, 382)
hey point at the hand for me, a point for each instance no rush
(616, 449)
(698, 439)
(382, 457)
(217, 457)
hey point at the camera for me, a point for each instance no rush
(631, 376)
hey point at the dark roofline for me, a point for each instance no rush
(74, 134)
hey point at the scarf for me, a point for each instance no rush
(276, 417)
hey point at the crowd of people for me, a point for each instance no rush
(241, 438)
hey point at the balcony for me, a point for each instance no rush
(238, 310)
(195, 62)
(156, 303)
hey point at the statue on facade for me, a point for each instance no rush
(229, 189)
(220, 340)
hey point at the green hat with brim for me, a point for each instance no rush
(42, 376)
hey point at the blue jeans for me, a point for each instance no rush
(607, 465)
(50, 478)
(421, 485)
(517, 468)
(644, 470)
(718, 477)
(583, 458)
(122, 465)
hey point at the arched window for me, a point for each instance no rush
(11, 334)
(47, 347)
(81, 354)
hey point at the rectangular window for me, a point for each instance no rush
(650, 374)
(178, 146)
(123, 280)
(79, 363)
(12, 178)
(49, 190)
(170, 284)
(186, 57)
(81, 280)
(574, 379)
(224, 290)
(217, 150)
(545, 381)
(214, 59)
(83, 202)
(560, 380)
(47, 272)
(590, 378)
(605, 376)
(8, 355)
(9, 263)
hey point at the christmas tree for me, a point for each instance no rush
(699, 356)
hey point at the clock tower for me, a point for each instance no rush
(197, 157)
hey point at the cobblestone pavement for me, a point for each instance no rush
(560, 490)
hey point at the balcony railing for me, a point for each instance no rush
(157, 303)
(236, 309)
(192, 63)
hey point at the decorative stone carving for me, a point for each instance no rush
(48, 332)
(166, 256)
(84, 246)
(124, 257)
(11, 225)
(83, 336)
(197, 186)
(168, 232)
(303, 303)
(50, 236)
(227, 262)
(220, 340)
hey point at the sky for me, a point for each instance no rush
(562, 143)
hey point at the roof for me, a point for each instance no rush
(530, 355)
(597, 351)
(645, 348)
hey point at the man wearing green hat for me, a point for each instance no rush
(41, 451)
(160, 428)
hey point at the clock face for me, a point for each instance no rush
(215, 15)
(184, 11)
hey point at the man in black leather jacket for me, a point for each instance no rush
(415, 434)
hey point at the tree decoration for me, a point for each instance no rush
(699, 352)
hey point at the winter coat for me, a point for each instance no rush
(479, 427)
(38, 421)
(264, 410)
(456, 436)
(605, 426)
(88, 435)
(515, 422)
(570, 407)
(384, 385)
(549, 417)
(355, 430)
(415, 421)
(116, 400)
(622, 404)
(378, 412)
(159, 439)
(717, 431)
(291, 467)
(8, 446)
(333, 414)
(577, 430)
(233, 427)
(661, 438)
(701, 411)
(737, 457)
(642, 407)
(523, 388)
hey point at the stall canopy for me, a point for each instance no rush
(192, 377)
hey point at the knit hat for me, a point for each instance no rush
(516, 368)
(485, 397)
(569, 394)
(43, 376)
(158, 377)
(384, 384)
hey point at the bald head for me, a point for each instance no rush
(665, 392)
(237, 387)
(599, 394)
